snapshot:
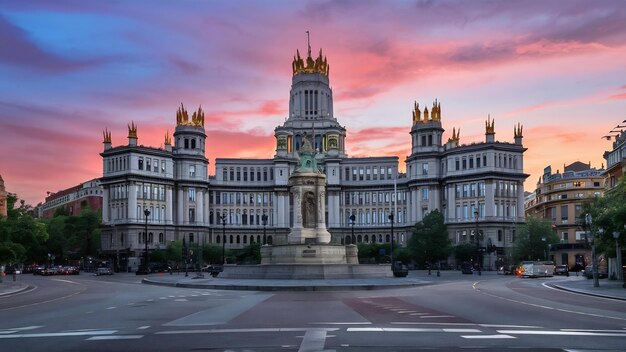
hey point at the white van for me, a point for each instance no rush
(537, 269)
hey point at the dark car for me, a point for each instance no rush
(466, 268)
(104, 271)
(561, 270)
(602, 272)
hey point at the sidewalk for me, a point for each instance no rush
(8, 286)
(608, 288)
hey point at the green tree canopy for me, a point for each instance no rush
(429, 242)
(533, 239)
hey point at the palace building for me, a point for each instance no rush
(476, 186)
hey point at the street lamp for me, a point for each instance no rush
(594, 260)
(264, 221)
(391, 255)
(618, 256)
(478, 253)
(146, 212)
(352, 220)
(223, 218)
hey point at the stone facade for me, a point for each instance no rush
(173, 184)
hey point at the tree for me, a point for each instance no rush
(429, 241)
(464, 252)
(22, 237)
(533, 239)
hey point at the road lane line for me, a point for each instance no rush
(62, 334)
(510, 326)
(313, 341)
(436, 316)
(346, 323)
(488, 337)
(143, 327)
(115, 337)
(560, 333)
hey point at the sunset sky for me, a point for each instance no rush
(70, 69)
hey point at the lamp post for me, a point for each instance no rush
(618, 257)
(478, 253)
(264, 221)
(352, 220)
(223, 218)
(146, 212)
(391, 254)
(594, 261)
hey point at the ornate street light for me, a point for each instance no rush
(391, 254)
(264, 221)
(223, 218)
(352, 220)
(146, 212)
(478, 252)
(618, 256)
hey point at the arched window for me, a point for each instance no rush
(245, 239)
(380, 238)
(366, 238)
(359, 239)
(238, 239)
(150, 237)
(258, 238)
(218, 239)
(193, 144)
(387, 238)
(231, 239)
(186, 143)
(251, 239)
(269, 240)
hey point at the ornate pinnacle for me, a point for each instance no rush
(168, 139)
(309, 65)
(517, 130)
(417, 114)
(489, 125)
(107, 136)
(455, 135)
(132, 130)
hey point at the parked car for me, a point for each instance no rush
(466, 268)
(561, 270)
(104, 271)
(602, 272)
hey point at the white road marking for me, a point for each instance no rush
(224, 331)
(561, 333)
(111, 308)
(143, 327)
(313, 341)
(429, 323)
(346, 323)
(32, 327)
(180, 300)
(488, 337)
(510, 326)
(67, 281)
(461, 330)
(89, 312)
(62, 334)
(115, 337)
(436, 316)
(150, 300)
(162, 297)
(418, 314)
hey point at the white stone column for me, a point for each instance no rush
(169, 204)
(132, 202)
(179, 207)
(200, 207)
(520, 201)
(490, 199)
(105, 205)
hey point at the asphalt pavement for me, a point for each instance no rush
(608, 288)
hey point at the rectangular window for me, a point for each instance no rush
(425, 169)
(192, 194)
(477, 162)
(148, 167)
(424, 193)
(464, 163)
(457, 164)
(192, 171)
(155, 162)
(471, 163)
(163, 166)
(564, 215)
(140, 165)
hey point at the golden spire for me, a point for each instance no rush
(425, 114)
(319, 65)
(417, 114)
(168, 140)
(517, 130)
(182, 117)
(490, 125)
(132, 130)
(455, 135)
(107, 136)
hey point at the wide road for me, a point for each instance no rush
(489, 312)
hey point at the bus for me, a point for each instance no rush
(537, 269)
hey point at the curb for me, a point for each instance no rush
(568, 289)
(19, 290)
(365, 287)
